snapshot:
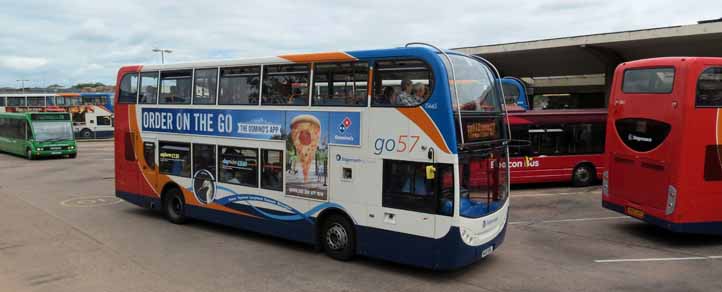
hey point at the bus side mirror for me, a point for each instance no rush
(430, 172)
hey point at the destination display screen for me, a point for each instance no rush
(50, 117)
(480, 129)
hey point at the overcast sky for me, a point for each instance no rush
(67, 42)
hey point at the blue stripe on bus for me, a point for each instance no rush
(713, 228)
(372, 242)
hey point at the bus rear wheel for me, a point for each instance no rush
(583, 175)
(174, 206)
(86, 134)
(338, 238)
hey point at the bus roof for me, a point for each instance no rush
(669, 61)
(338, 56)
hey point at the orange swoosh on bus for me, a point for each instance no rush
(424, 122)
(318, 57)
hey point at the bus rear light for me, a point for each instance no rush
(671, 200)
(605, 183)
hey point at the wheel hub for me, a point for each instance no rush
(336, 237)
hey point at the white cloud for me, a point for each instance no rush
(80, 41)
(22, 63)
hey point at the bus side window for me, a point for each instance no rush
(129, 142)
(285, 84)
(709, 88)
(28, 131)
(175, 87)
(174, 158)
(149, 154)
(402, 83)
(128, 89)
(148, 87)
(272, 169)
(204, 158)
(340, 84)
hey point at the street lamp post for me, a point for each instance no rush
(162, 54)
(22, 84)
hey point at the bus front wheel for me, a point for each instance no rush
(338, 237)
(174, 206)
(583, 175)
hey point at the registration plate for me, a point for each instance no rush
(636, 213)
(487, 251)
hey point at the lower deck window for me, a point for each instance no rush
(238, 166)
(272, 169)
(174, 158)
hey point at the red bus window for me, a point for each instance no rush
(709, 88)
(654, 80)
(129, 152)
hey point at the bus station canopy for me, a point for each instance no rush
(601, 53)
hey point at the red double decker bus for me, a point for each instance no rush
(663, 144)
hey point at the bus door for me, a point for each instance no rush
(409, 204)
(148, 162)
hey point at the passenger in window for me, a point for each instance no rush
(386, 97)
(406, 97)
(420, 91)
(296, 98)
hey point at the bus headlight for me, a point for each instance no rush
(605, 183)
(671, 200)
(39, 149)
(467, 236)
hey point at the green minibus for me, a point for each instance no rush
(36, 135)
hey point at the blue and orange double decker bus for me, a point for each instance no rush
(360, 152)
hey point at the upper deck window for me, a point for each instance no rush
(240, 85)
(16, 101)
(402, 83)
(175, 87)
(285, 84)
(475, 84)
(205, 86)
(128, 89)
(2, 101)
(709, 88)
(340, 84)
(148, 87)
(654, 80)
(36, 101)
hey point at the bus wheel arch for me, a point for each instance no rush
(584, 174)
(173, 203)
(335, 234)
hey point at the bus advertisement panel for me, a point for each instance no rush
(360, 157)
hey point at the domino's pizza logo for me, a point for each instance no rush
(345, 124)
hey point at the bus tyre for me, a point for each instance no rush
(174, 206)
(338, 238)
(86, 134)
(29, 154)
(72, 156)
(583, 175)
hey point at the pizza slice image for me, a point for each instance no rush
(305, 135)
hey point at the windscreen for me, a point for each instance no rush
(475, 85)
(52, 131)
